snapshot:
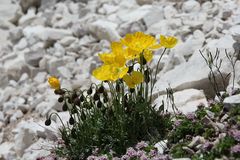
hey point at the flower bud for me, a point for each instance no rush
(60, 99)
(82, 98)
(59, 91)
(48, 122)
(77, 101)
(71, 120)
(101, 89)
(65, 107)
(74, 95)
(99, 104)
(96, 97)
(89, 91)
(132, 90)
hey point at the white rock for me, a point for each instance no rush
(64, 72)
(6, 149)
(3, 38)
(21, 45)
(104, 30)
(1, 117)
(15, 34)
(192, 44)
(7, 10)
(184, 76)
(143, 2)
(28, 18)
(26, 4)
(44, 34)
(235, 99)
(17, 115)
(162, 27)
(235, 31)
(66, 41)
(53, 64)
(34, 151)
(154, 15)
(185, 100)
(161, 146)
(134, 15)
(4, 78)
(23, 139)
(33, 57)
(40, 77)
(169, 12)
(191, 6)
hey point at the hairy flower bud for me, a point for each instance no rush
(60, 99)
(96, 97)
(65, 107)
(71, 120)
(89, 91)
(99, 104)
(101, 89)
(48, 122)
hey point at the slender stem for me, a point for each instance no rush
(155, 76)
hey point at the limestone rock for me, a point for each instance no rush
(26, 4)
(185, 100)
(104, 30)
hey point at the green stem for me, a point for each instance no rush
(155, 76)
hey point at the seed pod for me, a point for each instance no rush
(96, 97)
(146, 76)
(132, 90)
(48, 122)
(60, 99)
(101, 89)
(65, 107)
(99, 104)
(82, 98)
(89, 91)
(59, 91)
(71, 120)
(74, 95)
(77, 101)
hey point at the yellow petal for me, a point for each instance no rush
(128, 80)
(137, 77)
(54, 82)
(168, 42)
(148, 55)
(102, 73)
(107, 58)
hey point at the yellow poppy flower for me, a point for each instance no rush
(133, 79)
(109, 72)
(115, 58)
(168, 42)
(54, 82)
(139, 42)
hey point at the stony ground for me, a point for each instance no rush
(40, 38)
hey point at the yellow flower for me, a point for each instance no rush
(115, 58)
(168, 42)
(54, 82)
(109, 72)
(133, 79)
(137, 43)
